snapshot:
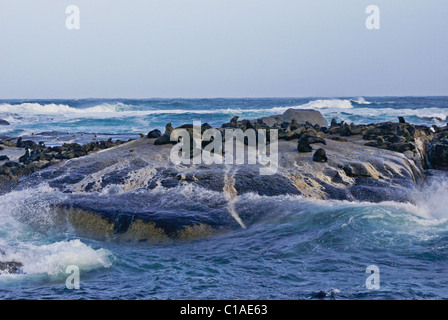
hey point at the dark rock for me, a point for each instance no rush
(154, 134)
(320, 295)
(272, 121)
(10, 267)
(320, 156)
(401, 120)
(205, 127)
(4, 123)
(438, 156)
(5, 171)
(401, 147)
(4, 158)
(11, 164)
(9, 143)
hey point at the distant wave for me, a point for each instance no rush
(106, 108)
(342, 109)
(327, 104)
(360, 100)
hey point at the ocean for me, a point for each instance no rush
(295, 249)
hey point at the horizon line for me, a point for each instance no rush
(215, 98)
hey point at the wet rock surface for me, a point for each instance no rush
(36, 156)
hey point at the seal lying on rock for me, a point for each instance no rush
(166, 137)
(154, 134)
(320, 156)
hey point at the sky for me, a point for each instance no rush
(222, 48)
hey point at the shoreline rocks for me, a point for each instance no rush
(37, 156)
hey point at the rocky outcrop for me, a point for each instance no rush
(303, 116)
(134, 191)
(141, 195)
(4, 123)
(36, 157)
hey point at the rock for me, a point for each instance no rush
(401, 120)
(154, 134)
(320, 156)
(4, 123)
(11, 164)
(302, 116)
(4, 158)
(320, 295)
(5, 171)
(10, 267)
(401, 147)
(9, 143)
(303, 145)
(438, 156)
(272, 121)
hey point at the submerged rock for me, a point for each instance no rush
(4, 123)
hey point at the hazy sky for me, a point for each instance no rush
(222, 48)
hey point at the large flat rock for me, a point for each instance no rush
(133, 191)
(303, 116)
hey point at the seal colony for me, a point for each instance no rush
(130, 191)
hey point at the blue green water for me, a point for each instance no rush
(296, 248)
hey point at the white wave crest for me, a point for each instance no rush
(54, 258)
(327, 104)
